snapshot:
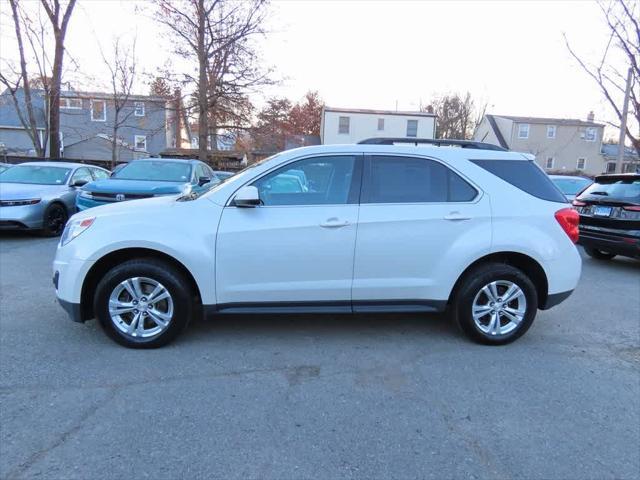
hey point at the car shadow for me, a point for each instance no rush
(345, 326)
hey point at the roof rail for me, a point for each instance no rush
(432, 141)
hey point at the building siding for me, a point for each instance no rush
(365, 125)
(77, 126)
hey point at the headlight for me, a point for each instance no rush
(19, 203)
(85, 194)
(75, 228)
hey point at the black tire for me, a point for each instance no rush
(471, 286)
(54, 219)
(169, 277)
(598, 254)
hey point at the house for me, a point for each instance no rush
(345, 125)
(630, 159)
(559, 144)
(86, 125)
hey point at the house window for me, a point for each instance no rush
(71, 103)
(549, 164)
(611, 167)
(381, 124)
(98, 111)
(138, 110)
(582, 162)
(551, 131)
(412, 128)
(523, 130)
(140, 142)
(590, 134)
(343, 125)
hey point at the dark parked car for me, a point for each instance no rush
(610, 216)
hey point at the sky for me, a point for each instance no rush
(386, 54)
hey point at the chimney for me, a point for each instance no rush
(590, 117)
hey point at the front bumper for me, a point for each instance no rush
(83, 203)
(620, 244)
(22, 217)
(68, 278)
(73, 309)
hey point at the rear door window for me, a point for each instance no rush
(525, 175)
(396, 179)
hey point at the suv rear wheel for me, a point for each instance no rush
(143, 303)
(495, 304)
(599, 254)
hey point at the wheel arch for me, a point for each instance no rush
(116, 257)
(528, 265)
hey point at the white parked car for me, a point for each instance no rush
(483, 234)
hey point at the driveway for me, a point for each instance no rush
(284, 397)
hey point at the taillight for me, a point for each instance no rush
(569, 219)
(632, 208)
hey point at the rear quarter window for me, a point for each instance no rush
(525, 175)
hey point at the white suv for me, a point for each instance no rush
(481, 233)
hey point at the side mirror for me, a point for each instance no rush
(247, 196)
(79, 183)
(203, 181)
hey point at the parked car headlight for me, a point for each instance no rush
(75, 228)
(85, 194)
(19, 203)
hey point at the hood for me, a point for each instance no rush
(133, 207)
(115, 185)
(25, 191)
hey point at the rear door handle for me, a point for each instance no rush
(334, 223)
(456, 216)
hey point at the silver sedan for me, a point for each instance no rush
(41, 195)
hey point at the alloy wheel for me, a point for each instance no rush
(498, 308)
(141, 307)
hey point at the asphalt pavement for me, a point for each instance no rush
(293, 397)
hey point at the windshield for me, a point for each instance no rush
(155, 171)
(237, 177)
(571, 186)
(626, 189)
(36, 174)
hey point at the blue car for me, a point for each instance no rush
(149, 177)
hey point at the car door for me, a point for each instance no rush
(296, 249)
(418, 222)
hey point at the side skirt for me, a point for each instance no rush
(358, 306)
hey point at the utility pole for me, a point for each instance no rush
(623, 120)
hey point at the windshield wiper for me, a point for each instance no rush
(600, 193)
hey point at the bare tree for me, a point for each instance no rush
(122, 74)
(59, 18)
(18, 81)
(622, 19)
(217, 35)
(458, 115)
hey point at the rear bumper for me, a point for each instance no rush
(627, 245)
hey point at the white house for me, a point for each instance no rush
(350, 125)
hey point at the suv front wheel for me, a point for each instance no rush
(495, 304)
(143, 303)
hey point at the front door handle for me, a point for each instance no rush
(334, 223)
(456, 216)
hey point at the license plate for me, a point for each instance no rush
(602, 211)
